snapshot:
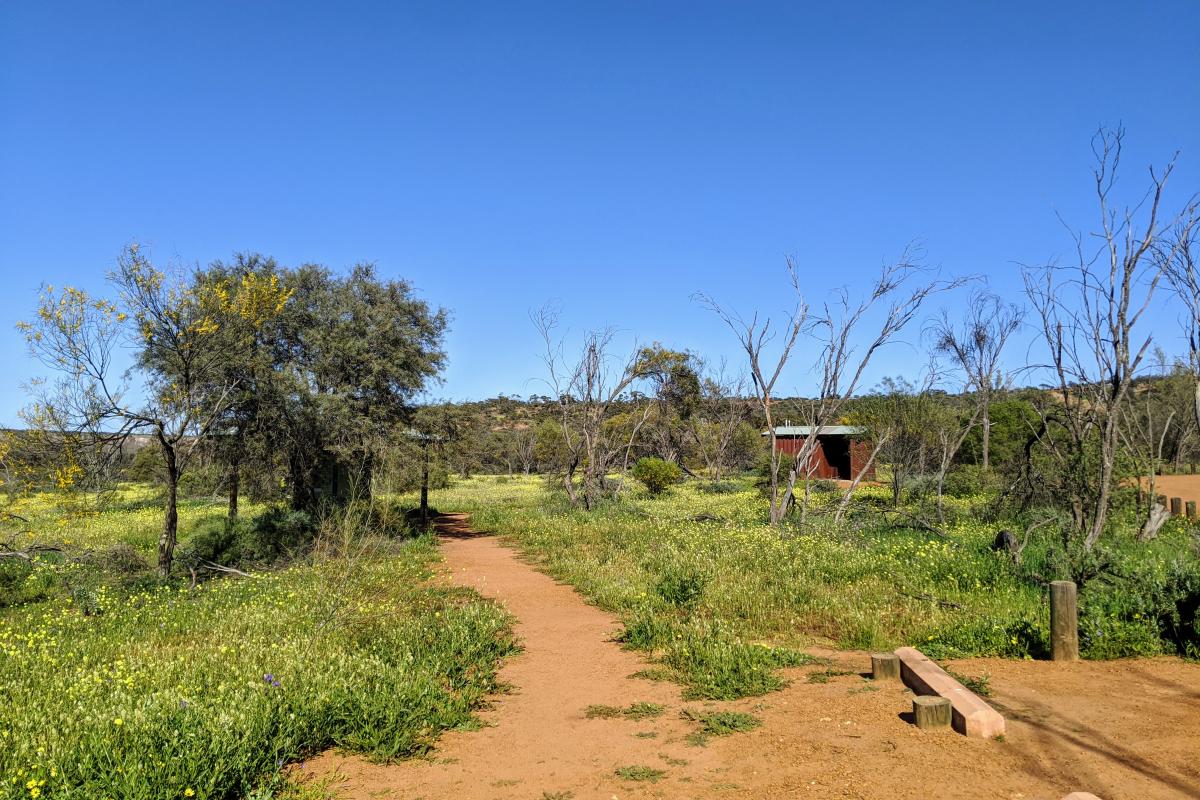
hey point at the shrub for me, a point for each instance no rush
(969, 480)
(718, 487)
(123, 559)
(657, 475)
(276, 533)
(681, 586)
(22, 582)
(762, 471)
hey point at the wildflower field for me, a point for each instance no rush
(158, 691)
(722, 599)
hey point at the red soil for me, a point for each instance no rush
(1128, 729)
(1184, 486)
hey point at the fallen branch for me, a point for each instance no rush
(28, 554)
(931, 599)
(917, 522)
(215, 567)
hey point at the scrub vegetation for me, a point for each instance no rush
(139, 689)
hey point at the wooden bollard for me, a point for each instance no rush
(1064, 621)
(931, 712)
(885, 667)
(1189, 509)
(1176, 506)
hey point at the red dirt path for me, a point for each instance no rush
(1128, 729)
(1184, 486)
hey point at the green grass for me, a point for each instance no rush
(638, 772)
(166, 691)
(722, 723)
(980, 685)
(635, 711)
(823, 676)
(724, 606)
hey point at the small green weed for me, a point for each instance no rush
(643, 711)
(981, 685)
(639, 772)
(603, 712)
(824, 675)
(722, 723)
(635, 711)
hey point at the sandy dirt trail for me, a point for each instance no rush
(1125, 730)
(1186, 487)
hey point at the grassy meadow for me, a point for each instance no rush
(136, 689)
(723, 600)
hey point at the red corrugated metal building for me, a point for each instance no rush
(840, 454)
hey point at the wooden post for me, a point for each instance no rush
(425, 482)
(931, 712)
(885, 667)
(1176, 506)
(1064, 621)
(1189, 509)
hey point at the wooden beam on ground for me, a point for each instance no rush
(969, 714)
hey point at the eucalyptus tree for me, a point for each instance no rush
(353, 352)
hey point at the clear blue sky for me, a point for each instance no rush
(613, 156)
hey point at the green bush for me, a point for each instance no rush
(277, 534)
(657, 475)
(970, 480)
(22, 582)
(762, 471)
(717, 666)
(680, 586)
(718, 487)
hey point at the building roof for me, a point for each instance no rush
(827, 430)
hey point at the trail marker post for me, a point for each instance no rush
(1064, 621)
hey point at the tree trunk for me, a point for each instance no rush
(425, 482)
(845, 503)
(235, 474)
(987, 433)
(170, 529)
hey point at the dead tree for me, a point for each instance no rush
(587, 389)
(754, 336)
(724, 412)
(842, 363)
(1179, 255)
(1091, 316)
(975, 348)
